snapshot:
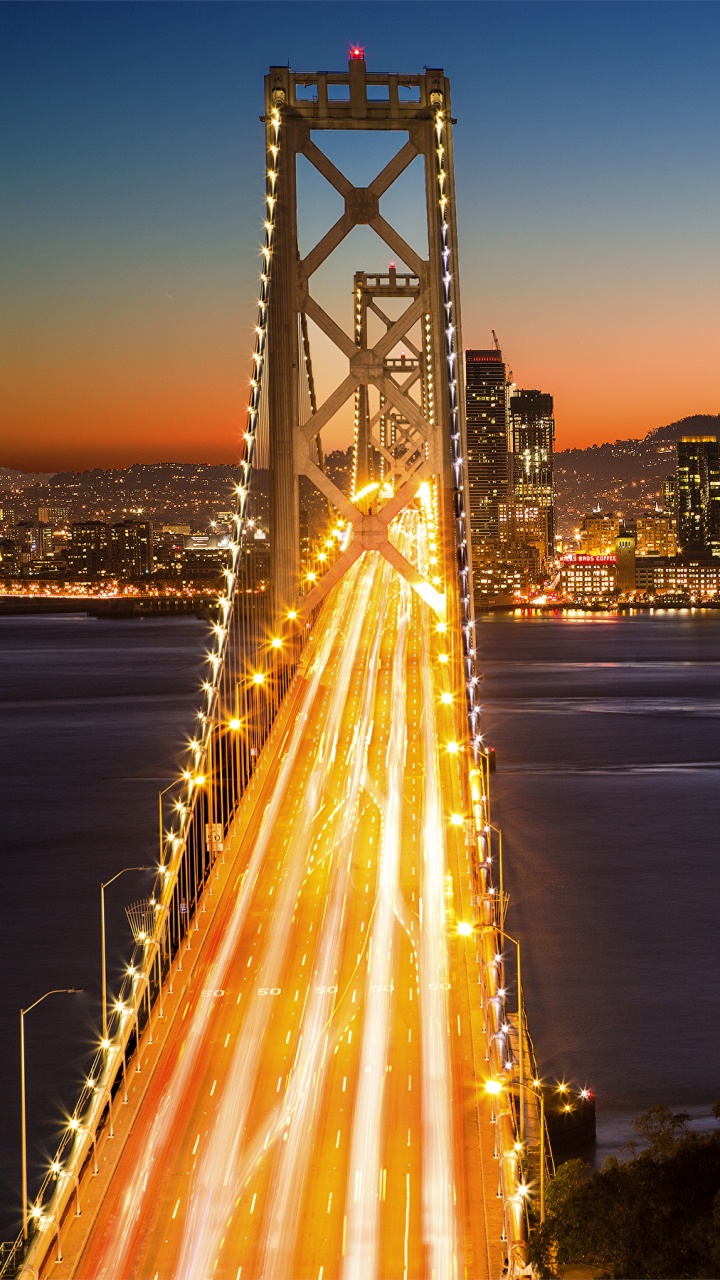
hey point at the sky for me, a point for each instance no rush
(587, 164)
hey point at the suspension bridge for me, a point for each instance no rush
(318, 1065)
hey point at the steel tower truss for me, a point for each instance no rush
(388, 448)
(419, 430)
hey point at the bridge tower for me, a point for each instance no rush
(421, 393)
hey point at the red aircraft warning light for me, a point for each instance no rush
(357, 54)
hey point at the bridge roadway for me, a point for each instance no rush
(314, 1111)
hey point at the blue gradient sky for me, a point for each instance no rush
(588, 174)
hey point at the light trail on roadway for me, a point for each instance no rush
(309, 1115)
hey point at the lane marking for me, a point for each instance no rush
(407, 1219)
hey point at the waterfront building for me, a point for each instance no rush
(698, 494)
(531, 434)
(498, 578)
(588, 577)
(697, 578)
(205, 554)
(523, 537)
(131, 549)
(487, 442)
(598, 531)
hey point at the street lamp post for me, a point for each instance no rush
(103, 887)
(521, 1031)
(160, 816)
(501, 886)
(535, 1087)
(23, 1126)
(541, 1091)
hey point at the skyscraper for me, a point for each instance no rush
(532, 432)
(698, 494)
(487, 446)
(89, 550)
(131, 549)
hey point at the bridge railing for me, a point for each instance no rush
(488, 919)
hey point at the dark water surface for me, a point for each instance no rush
(607, 789)
(92, 717)
(607, 732)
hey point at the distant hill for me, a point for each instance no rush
(625, 476)
(20, 479)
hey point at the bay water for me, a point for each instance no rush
(607, 732)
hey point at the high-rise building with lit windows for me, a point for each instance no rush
(487, 442)
(698, 494)
(531, 435)
(89, 550)
(598, 531)
(131, 549)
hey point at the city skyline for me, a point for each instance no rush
(332, 1043)
(133, 211)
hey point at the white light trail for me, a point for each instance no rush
(118, 1248)
(439, 1227)
(284, 1212)
(216, 1182)
(366, 1147)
